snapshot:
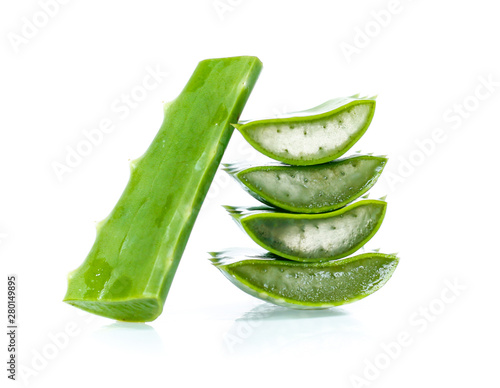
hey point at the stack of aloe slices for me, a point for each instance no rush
(313, 217)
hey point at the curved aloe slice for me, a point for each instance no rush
(312, 237)
(313, 136)
(310, 189)
(307, 285)
(128, 271)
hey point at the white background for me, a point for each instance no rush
(425, 63)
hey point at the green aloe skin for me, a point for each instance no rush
(307, 285)
(130, 268)
(312, 237)
(308, 241)
(314, 136)
(310, 189)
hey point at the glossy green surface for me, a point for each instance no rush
(313, 136)
(312, 237)
(130, 267)
(307, 285)
(310, 189)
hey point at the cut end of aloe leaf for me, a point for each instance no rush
(243, 211)
(127, 310)
(314, 136)
(233, 211)
(311, 285)
(311, 189)
(229, 168)
(314, 237)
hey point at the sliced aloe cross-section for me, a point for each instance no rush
(312, 237)
(317, 135)
(310, 189)
(307, 285)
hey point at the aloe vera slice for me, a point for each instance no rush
(130, 268)
(310, 189)
(312, 237)
(307, 285)
(312, 136)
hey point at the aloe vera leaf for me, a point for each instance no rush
(130, 268)
(314, 136)
(312, 237)
(307, 285)
(310, 189)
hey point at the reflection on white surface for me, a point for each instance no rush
(267, 328)
(129, 336)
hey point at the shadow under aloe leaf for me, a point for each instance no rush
(272, 312)
(135, 337)
(267, 328)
